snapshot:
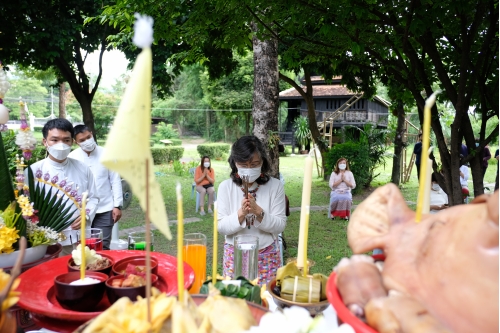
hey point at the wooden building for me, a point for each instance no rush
(336, 106)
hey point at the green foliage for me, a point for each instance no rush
(166, 154)
(6, 187)
(181, 168)
(246, 290)
(302, 131)
(358, 156)
(375, 141)
(33, 92)
(176, 142)
(217, 151)
(165, 131)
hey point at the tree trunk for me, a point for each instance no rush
(265, 95)
(398, 144)
(62, 100)
(88, 116)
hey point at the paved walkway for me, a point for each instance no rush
(124, 232)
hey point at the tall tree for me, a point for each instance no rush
(53, 34)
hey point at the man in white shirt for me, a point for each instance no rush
(57, 138)
(108, 183)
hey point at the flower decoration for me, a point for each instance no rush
(12, 296)
(4, 87)
(24, 138)
(9, 233)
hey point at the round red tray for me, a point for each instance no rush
(343, 313)
(37, 283)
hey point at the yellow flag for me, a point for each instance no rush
(127, 149)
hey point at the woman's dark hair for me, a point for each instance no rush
(203, 160)
(242, 151)
(60, 124)
(434, 178)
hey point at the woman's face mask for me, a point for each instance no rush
(252, 173)
(342, 166)
(59, 151)
(206, 164)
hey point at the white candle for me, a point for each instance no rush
(306, 201)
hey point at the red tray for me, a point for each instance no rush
(343, 313)
(37, 294)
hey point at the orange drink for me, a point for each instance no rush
(194, 253)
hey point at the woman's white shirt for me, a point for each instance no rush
(270, 197)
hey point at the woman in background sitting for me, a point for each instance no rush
(438, 198)
(204, 177)
(341, 182)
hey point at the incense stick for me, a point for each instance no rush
(148, 247)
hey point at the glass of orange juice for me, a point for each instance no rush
(194, 253)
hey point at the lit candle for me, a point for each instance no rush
(306, 266)
(180, 244)
(306, 201)
(83, 221)
(424, 187)
(215, 242)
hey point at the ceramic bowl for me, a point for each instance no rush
(106, 270)
(120, 266)
(115, 293)
(81, 298)
(313, 308)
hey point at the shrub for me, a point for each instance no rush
(165, 131)
(176, 142)
(166, 154)
(359, 162)
(216, 151)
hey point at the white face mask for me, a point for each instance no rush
(252, 173)
(59, 151)
(88, 145)
(435, 187)
(342, 166)
(206, 164)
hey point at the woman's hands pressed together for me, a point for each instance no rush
(249, 206)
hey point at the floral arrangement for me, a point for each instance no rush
(24, 138)
(45, 210)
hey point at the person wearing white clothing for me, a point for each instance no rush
(59, 168)
(262, 213)
(438, 198)
(464, 177)
(108, 183)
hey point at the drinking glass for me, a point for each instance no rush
(246, 257)
(93, 239)
(194, 253)
(137, 240)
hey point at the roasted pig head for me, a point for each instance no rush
(448, 262)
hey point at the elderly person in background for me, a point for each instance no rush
(204, 177)
(341, 182)
(261, 213)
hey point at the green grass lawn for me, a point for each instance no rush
(327, 238)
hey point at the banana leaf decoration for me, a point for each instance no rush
(52, 206)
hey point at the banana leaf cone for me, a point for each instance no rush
(300, 286)
(323, 279)
(290, 270)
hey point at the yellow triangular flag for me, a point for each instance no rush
(127, 148)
